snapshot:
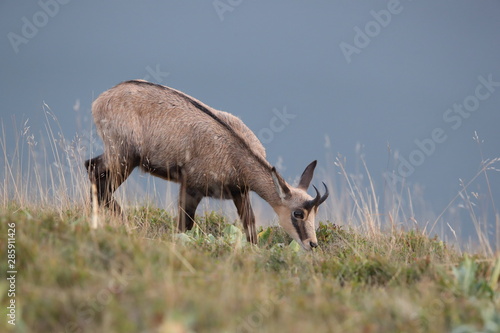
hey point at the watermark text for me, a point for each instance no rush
(31, 26)
(11, 273)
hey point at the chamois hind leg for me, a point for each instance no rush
(188, 202)
(245, 211)
(107, 179)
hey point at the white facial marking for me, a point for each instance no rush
(296, 201)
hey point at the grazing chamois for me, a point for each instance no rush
(209, 153)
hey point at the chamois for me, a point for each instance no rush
(209, 152)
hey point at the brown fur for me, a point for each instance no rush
(210, 153)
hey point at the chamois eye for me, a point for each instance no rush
(298, 214)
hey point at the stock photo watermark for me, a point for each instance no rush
(277, 124)
(373, 28)
(11, 273)
(254, 321)
(453, 117)
(88, 311)
(155, 74)
(31, 25)
(224, 6)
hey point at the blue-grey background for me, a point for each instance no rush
(256, 58)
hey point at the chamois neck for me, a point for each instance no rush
(260, 181)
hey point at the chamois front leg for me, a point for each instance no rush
(188, 202)
(245, 211)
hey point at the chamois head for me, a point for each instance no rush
(297, 210)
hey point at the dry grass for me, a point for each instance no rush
(377, 268)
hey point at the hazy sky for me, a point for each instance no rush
(417, 76)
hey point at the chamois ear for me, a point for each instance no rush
(280, 184)
(307, 175)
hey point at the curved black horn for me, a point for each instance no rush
(318, 200)
(314, 202)
(323, 198)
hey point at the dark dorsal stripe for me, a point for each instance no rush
(205, 110)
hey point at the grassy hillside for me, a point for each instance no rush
(138, 275)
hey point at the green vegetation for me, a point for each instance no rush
(375, 270)
(138, 275)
